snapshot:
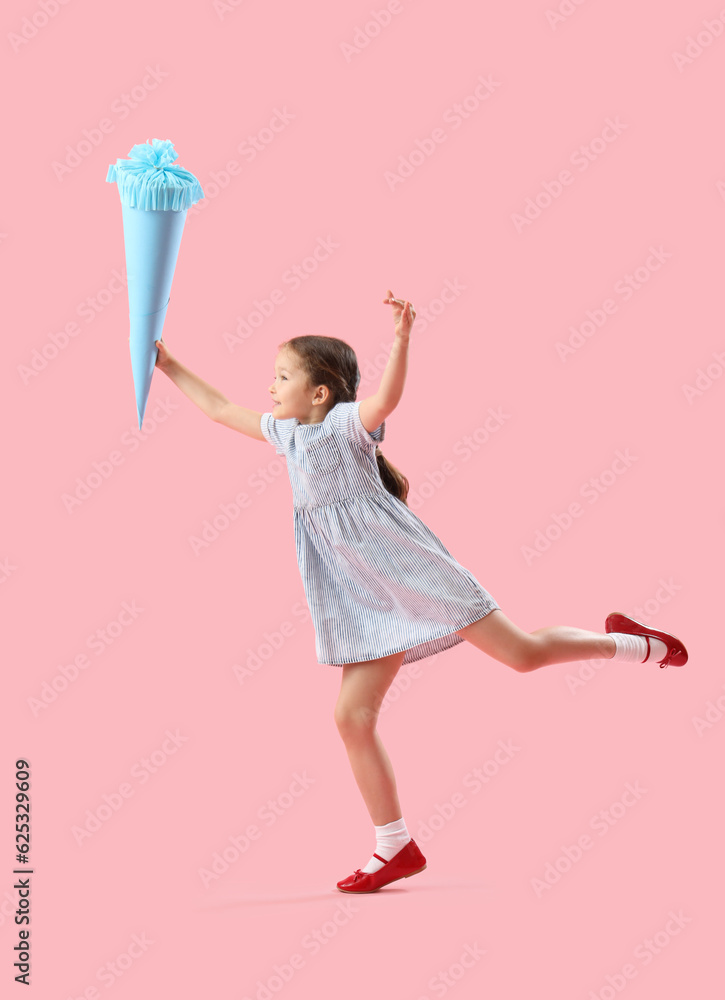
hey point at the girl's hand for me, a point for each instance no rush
(403, 315)
(164, 358)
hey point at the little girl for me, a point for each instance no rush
(382, 588)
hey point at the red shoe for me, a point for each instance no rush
(408, 861)
(676, 652)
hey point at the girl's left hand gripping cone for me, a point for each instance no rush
(154, 199)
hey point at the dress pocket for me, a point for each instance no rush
(323, 455)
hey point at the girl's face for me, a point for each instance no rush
(291, 395)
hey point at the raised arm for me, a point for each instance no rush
(379, 406)
(209, 400)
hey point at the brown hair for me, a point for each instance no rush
(331, 362)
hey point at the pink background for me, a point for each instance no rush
(650, 543)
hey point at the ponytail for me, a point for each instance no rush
(393, 479)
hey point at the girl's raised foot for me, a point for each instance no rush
(676, 652)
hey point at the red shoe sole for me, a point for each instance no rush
(676, 652)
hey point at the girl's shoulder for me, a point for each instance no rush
(345, 420)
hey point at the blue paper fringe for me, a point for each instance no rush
(149, 181)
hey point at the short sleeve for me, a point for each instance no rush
(278, 432)
(346, 421)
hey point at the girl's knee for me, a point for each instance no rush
(363, 690)
(527, 656)
(503, 640)
(355, 721)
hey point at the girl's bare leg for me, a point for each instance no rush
(356, 713)
(496, 635)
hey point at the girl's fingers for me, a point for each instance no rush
(403, 303)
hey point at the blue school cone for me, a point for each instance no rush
(155, 197)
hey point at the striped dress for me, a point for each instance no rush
(376, 578)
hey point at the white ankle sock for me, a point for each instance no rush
(634, 648)
(391, 838)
